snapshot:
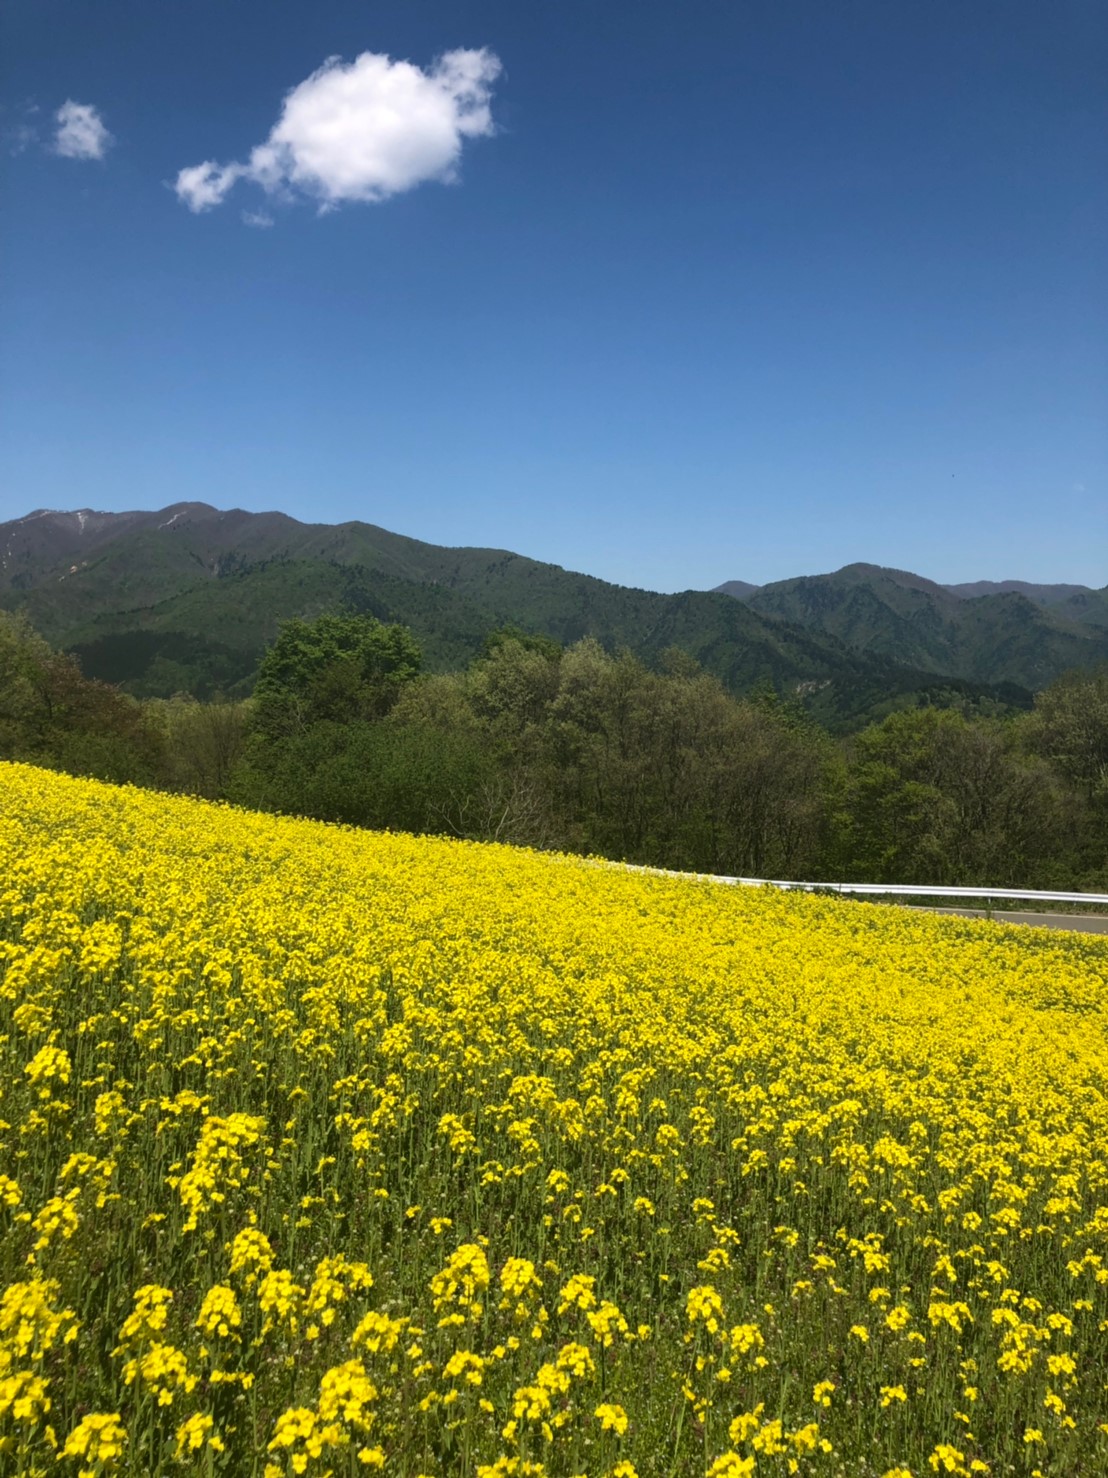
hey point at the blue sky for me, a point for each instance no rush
(713, 291)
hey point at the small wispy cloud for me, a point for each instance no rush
(18, 140)
(80, 132)
(361, 131)
(17, 136)
(259, 218)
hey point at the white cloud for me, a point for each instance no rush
(81, 133)
(362, 131)
(203, 185)
(260, 218)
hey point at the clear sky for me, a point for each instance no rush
(671, 294)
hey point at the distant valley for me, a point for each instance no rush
(186, 599)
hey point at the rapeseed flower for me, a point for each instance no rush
(325, 1150)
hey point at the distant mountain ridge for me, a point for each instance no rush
(1042, 595)
(186, 599)
(985, 631)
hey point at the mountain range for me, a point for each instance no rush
(187, 598)
(986, 631)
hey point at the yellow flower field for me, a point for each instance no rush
(329, 1152)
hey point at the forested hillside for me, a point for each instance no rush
(1007, 631)
(577, 749)
(187, 599)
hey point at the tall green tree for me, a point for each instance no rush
(339, 668)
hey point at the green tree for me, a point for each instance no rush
(51, 714)
(667, 768)
(512, 686)
(1070, 727)
(406, 777)
(337, 669)
(202, 743)
(530, 641)
(934, 797)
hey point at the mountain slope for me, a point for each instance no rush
(1077, 603)
(999, 637)
(187, 598)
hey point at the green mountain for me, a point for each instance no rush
(1013, 632)
(1072, 602)
(188, 597)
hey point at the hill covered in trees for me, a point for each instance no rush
(187, 599)
(1004, 631)
(582, 750)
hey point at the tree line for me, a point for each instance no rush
(588, 751)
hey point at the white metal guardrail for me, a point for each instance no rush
(921, 890)
(887, 890)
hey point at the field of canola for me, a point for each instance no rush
(327, 1152)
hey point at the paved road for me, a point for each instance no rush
(1083, 923)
